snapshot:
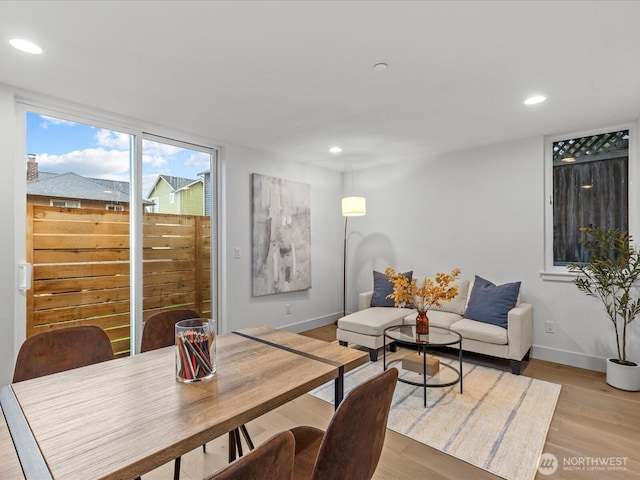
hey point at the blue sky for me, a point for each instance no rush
(62, 146)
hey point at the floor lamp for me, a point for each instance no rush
(351, 207)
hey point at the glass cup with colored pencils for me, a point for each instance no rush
(195, 349)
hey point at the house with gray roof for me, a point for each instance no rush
(177, 195)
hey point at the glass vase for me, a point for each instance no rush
(422, 323)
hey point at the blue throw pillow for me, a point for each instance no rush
(383, 287)
(490, 303)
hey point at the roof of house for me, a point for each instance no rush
(176, 183)
(72, 185)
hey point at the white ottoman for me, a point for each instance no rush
(366, 327)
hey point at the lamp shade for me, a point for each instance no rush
(354, 206)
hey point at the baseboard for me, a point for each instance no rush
(310, 324)
(573, 359)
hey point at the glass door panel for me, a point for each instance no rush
(177, 227)
(78, 227)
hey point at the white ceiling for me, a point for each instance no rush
(296, 77)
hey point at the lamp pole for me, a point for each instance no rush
(344, 270)
(351, 207)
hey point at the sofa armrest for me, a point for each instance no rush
(520, 330)
(364, 300)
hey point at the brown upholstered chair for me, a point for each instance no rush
(352, 444)
(271, 460)
(159, 329)
(62, 349)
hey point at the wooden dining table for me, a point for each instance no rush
(122, 418)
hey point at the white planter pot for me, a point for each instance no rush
(624, 377)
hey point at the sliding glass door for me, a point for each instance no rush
(118, 227)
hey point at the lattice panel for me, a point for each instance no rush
(591, 145)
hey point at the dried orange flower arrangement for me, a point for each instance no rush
(407, 293)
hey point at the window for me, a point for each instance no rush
(65, 203)
(172, 198)
(588, 183)
(115, 208)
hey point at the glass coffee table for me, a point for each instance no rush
(437, 337)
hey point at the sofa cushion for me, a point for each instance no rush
(480, 331)
(382, 287)
(491, 303)
(436, 318)
(373, 321)
(459, 303)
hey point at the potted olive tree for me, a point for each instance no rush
(610, 276)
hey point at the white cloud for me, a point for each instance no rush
(55, 121)
(109, 138)
(157, 148)
(154, 161)
(198, 159)
(90, 162)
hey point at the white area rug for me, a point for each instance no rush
(499, 423)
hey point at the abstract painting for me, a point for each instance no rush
(281, 224)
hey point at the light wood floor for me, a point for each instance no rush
(592, 421)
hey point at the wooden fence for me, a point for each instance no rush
(81, 273)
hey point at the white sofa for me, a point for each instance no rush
(366, 326)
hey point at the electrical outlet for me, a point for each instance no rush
(288, 309)
(236, 252)
(549, 327)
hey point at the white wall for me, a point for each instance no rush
(309, 308)
(483, 211)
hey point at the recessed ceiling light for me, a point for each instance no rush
(535, 100)
(25, 46)
(335, 149)
(379, 67)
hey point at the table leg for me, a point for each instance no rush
(247, 438)
(424, 374)
(460, 360)
(384, 352)
(339, 387)
(232, 446)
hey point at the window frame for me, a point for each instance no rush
(562, 273)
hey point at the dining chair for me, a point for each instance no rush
(352, 444)
(54, 351)
(271, 460)
(159, 332)
(159, 329)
